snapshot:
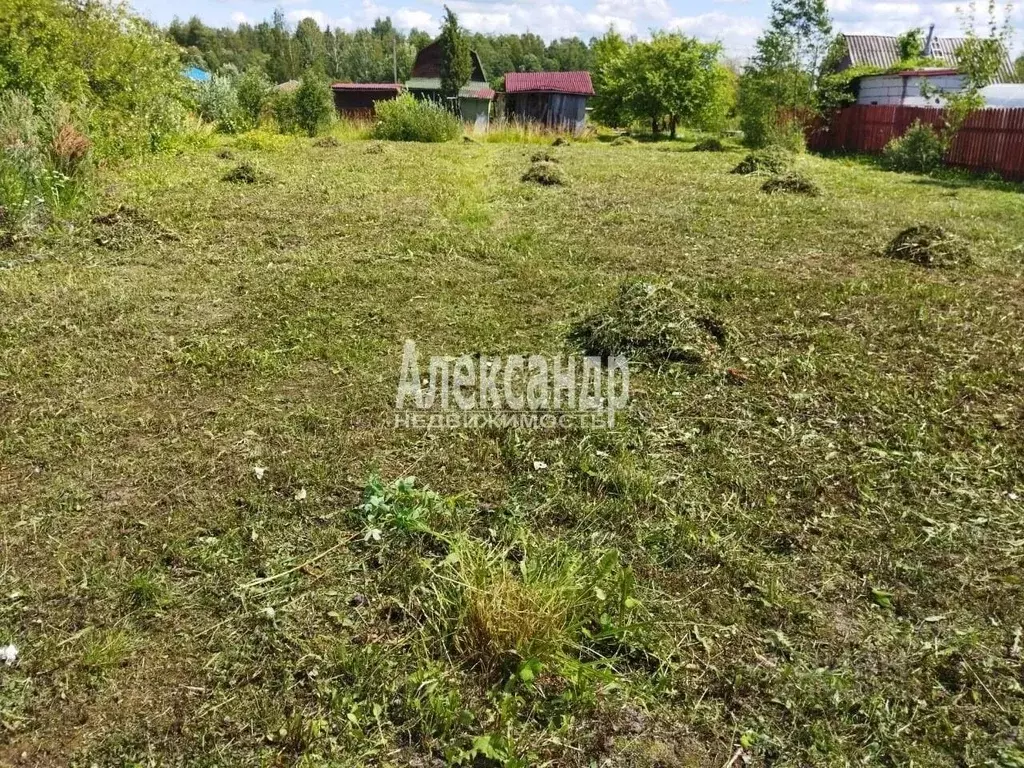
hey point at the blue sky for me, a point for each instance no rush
(735, 23)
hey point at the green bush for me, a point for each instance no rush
(406, 119)
(97, 55)
(314, 106)
(44, 164)
(254, 91)
(217, 103)
(919, 150)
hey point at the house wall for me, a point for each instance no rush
(475, 111)
(888, 90)
(559, 110)
(352, 103)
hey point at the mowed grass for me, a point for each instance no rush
(804, 551)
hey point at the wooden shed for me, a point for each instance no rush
(557, 99)
(360, 99)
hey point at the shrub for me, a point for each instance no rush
(928, 246)
(44, 163)
(217, 103)
(314, 106)
(406, 119)
(115, 65)
(919, 150)
(254, 91)
(650, 322)
(773, 160)
(281, 106)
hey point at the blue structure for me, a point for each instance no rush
(197, 75)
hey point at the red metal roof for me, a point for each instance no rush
(474, 91)
(577, 83)
(366, 87)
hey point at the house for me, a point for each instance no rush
(475, 97)
(360, 99)
(556, 99)
(883, 51)
(913, 88)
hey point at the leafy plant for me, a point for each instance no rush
(406, 119)
(217, 103)
(254, 92)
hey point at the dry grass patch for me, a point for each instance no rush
(546, 173)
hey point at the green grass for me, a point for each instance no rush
(807, 547)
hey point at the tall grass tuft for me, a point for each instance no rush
(502, 130)
(44, 164)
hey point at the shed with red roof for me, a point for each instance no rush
(556, 99)
(360, 99)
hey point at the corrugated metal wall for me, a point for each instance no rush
(992, 140)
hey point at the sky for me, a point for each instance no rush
(734, 23)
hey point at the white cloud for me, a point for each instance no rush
(736, 33)
(407, 18)
(240, 18)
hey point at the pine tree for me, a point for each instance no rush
(456, 64)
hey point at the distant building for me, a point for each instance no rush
(197, 75)
(883, 51)
(556, 99)
(360, 99)
(914, 88)
(474, 98)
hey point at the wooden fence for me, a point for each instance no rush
(992, 140)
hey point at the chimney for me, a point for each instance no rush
(928, 43)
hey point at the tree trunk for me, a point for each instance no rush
(672, 121)
(654, 126)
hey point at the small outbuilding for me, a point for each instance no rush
(913, 88)
(360, 99)
(556, 99)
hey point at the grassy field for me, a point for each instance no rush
(807, 550)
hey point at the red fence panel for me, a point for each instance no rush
(992, 140)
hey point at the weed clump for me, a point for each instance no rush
(224, 153)
(772, 160)
(126, 227)
(791, 183)
(246, 173)
(652, 323)
(376, 148)
(929, 246)
(406, 119)
(326, 142)
(710, 144)
(545, 173)
(624, 141)
(920, 150)
(561, 141)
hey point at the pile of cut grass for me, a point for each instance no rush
(710, 144)
(624, 141)
(546, 173)
(773, 160)
(650, 322)
(247, 173)
(791, 183)
(126, 227)
(929, 245)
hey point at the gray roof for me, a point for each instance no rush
(884, 51)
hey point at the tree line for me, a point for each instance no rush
(380, 53)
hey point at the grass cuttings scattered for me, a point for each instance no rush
(929, 246)
(792, 183)
(560, 141)
(246, 173)
(772, 160)
(376, 148)
(710, 144)
(546, 173)
(624, 141)
(652, 323)
(326, 142)
(224, 153)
